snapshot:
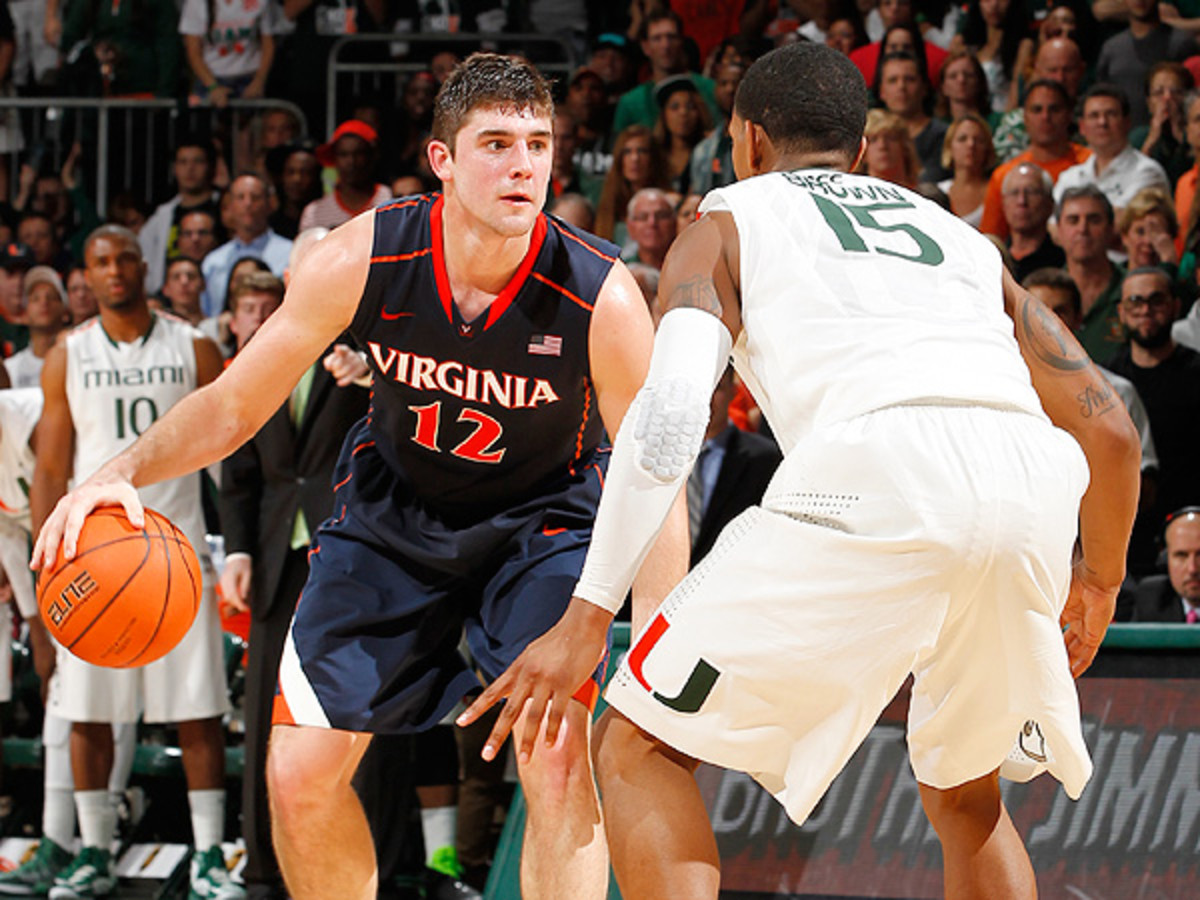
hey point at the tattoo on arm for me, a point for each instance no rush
(1041, 330)
(1097, 398)
(697, 292)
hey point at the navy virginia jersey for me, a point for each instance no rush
(477, 416)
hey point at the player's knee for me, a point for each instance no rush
(302, 768)
(565, 767)
(973, 802)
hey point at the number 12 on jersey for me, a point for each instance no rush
(838, 217)
(478, 446)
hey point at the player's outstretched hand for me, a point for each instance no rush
(345, 365)
(1086, 616)
(544, 678)
(63, 525)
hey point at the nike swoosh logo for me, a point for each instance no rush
(391, 317)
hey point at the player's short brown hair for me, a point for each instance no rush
(491, 80)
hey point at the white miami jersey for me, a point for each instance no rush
(20, 409)
(116, 391)
(857, 295)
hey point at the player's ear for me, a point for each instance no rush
(862, 149)
(441, 159)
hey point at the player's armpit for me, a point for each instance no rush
(701, 271)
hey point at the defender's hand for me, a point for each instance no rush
(544, 677)
(1085, 618)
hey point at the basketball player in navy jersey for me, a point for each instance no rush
(503, 343)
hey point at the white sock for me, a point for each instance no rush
(97, 818)
(438, 824)
(58, 807)
(124, 746)
(58, 815)
(208, 817)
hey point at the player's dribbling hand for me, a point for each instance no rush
(544, 678)
(1085, 618)
(63, 525)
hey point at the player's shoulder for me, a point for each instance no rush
(577, 242)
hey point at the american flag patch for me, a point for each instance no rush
(545, 345)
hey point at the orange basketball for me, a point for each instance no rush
(128, 597)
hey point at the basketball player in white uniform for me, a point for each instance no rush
(923, 519)
(20, 409)
(107, 382)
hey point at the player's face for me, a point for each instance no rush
(738, 151)
(1183, 557)
(115, 272)
(500, 167)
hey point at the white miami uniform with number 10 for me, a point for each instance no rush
(116, 391)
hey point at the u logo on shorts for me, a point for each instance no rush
(699, 683)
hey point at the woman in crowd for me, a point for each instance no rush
(963, 89)
(1148, 229)
(993, 30)
(969, 154)
(683, 121)
(906, 39)
(638, 162)
(890, 154)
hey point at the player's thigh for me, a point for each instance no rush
(529, 591)
(373, 645)
(189, 682)
(1000, 660)
(777, 653)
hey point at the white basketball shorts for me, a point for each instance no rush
(934, 540)
(186, 684)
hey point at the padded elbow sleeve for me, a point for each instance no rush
(654, 451)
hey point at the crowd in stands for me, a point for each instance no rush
(1067, 131)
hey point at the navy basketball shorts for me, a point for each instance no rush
(374, 643)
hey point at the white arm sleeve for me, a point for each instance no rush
(655, 448)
